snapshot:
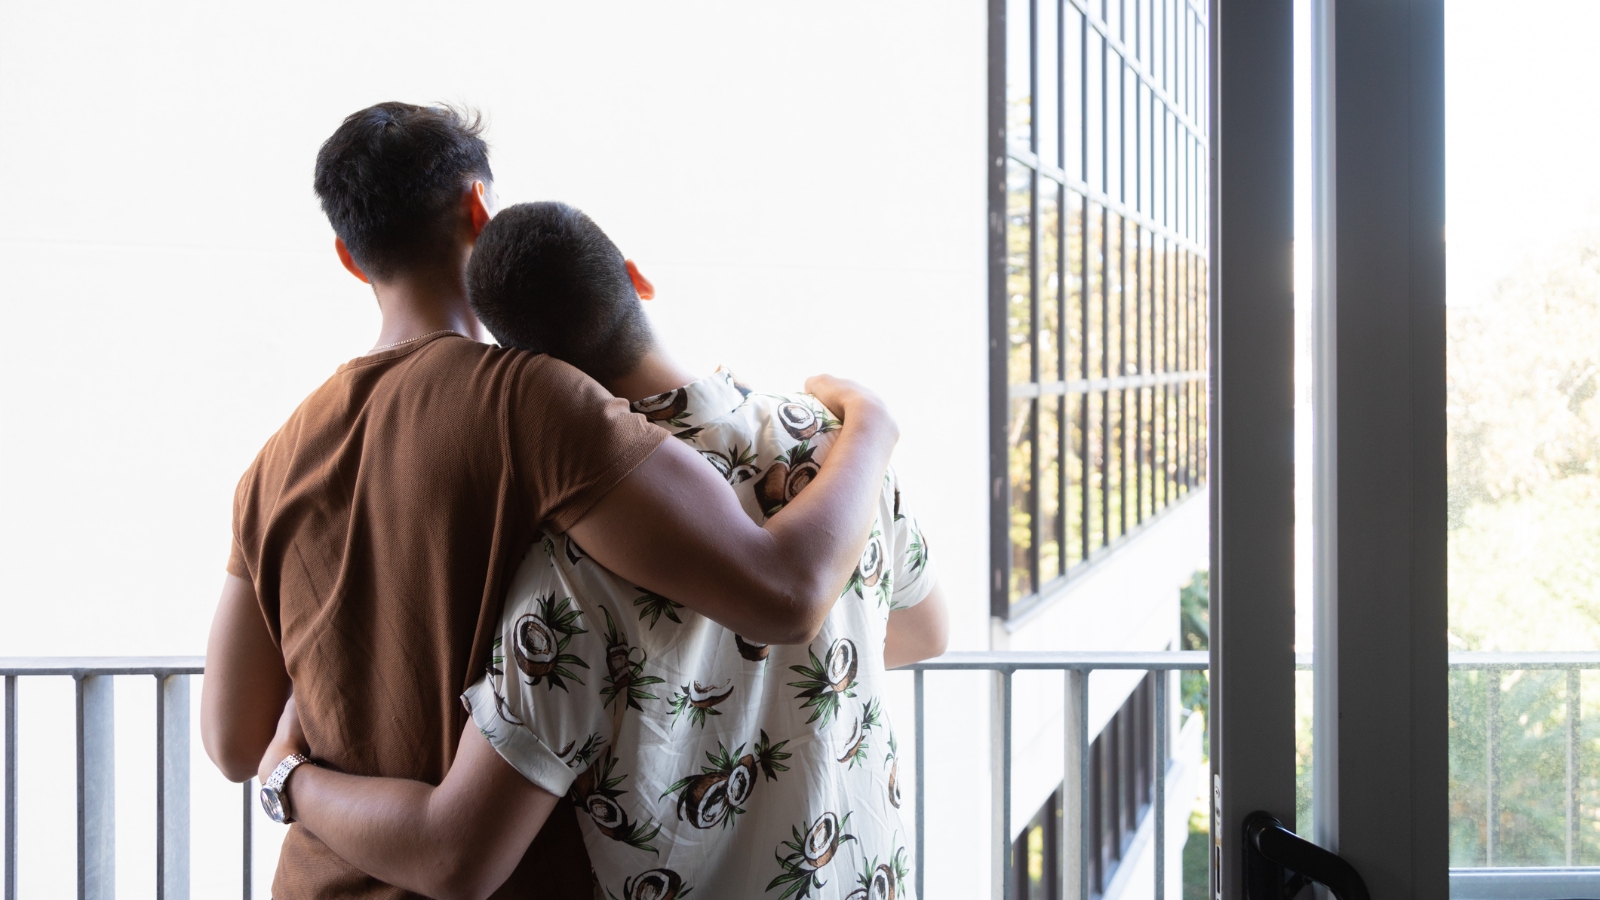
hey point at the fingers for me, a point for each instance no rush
(837, 394)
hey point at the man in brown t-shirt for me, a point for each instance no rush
(375, 532)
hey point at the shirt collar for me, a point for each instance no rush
(684, 411)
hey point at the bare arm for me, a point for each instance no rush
(245, 684)
(461, 839)
(674, 527)
(919, 632)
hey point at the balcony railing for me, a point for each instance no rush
(96, 856)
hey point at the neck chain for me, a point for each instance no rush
(414, 340)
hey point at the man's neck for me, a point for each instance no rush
(420, 303)
(655, 374)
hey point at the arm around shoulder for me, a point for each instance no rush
(673, 526)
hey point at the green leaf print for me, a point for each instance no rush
(917, 553)
(541, 640)
(825, 684)
(882, 880)
(736, 466)
(809, 852)
(854, 749)
(584, 755)
(654, 606)
(625, 676)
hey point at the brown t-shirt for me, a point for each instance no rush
(380, 527)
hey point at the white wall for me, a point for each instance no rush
(806, 190)
(804, 184)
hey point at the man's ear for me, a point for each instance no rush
(480, 207)
(348, 261)
(647, 291)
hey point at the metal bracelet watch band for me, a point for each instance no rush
(273, 797)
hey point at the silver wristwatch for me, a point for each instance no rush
(274, 799)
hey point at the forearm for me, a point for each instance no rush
(461, 839)
(674, 527)
(818, 538)
(386, 827)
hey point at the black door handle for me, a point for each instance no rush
(1278, 864)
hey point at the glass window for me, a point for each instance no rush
(1019, 74)
(1047, 69)
(1523, 418)
(1103, 281)
(1019, 273)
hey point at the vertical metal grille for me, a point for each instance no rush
(1097, 278)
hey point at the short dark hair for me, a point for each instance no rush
(545, 278)
(390, 179)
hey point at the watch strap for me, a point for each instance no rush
(281, 773)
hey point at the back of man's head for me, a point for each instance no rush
(544, 277)
(391, 180)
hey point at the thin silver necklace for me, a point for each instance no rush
(414, 340)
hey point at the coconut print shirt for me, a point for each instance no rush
(700, 761)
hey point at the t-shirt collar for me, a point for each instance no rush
(692, 406)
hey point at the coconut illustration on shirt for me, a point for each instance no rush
(541, 639)
(853, 751)
(751, 651)
(737, 466)
(799, 420)
(787, 476)
(870, 575)
(655, 884)
(809, 851)
(719, 792)
(596, 790)
(625, 669)
(881, 881)
(668, 407)
(824, 684)
(699, 701)
(575, 553)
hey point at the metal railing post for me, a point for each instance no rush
(1160, 812)
(97, 831)
(1074, 850)
(249, 844)
(11, 788)
(172, 787)
(1491, 755)
(1000, 782)
(1574, 716)
(921, 795)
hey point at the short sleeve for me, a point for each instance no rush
(570, 440)
(539, 704)
(243, 495)
(236, 564)
(913, 568)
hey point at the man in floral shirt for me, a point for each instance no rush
(698, 760)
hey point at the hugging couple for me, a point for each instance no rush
(557, 618)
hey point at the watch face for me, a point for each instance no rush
(273, 804)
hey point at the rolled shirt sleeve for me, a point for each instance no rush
(539, 705)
